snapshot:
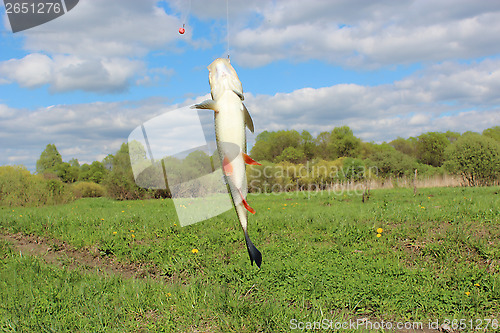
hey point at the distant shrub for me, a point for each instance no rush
(18, 187)
(393, 163)
(123, 187)
(476, 158)
(427, 171)
(88, 190)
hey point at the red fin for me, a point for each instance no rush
(247, 206)
(249, 160)
(228, 168)
(245, 203)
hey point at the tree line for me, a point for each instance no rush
(474, 156)
(290, 160)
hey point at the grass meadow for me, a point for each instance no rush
(436, 258)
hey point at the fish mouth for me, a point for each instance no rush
(219, 69)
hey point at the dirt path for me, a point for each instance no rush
(64, 255)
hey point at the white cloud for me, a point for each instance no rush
(6, 112)
(101, 46)
(375, 113)
(420, 119)
(451, 96)
(369, 34)
(97, 47)
(82, 131)
(106, 28)
(88, 131)
(65, 73)
(32, 71)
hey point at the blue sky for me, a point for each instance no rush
(85, 80)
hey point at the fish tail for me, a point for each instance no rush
(254, 254)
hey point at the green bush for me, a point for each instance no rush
(427, 171)
(122, 187)
(88, 190)
(18, 187)
(393, 163)
(476, 158)
(431, 148)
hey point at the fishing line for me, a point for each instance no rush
(186, 13)
(227, 27)
(184, 19)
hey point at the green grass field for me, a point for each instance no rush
(437, 258)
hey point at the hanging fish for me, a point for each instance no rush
(231, 117)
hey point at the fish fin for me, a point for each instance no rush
(226, 165)
(208, 104)
(240, 94)
(248, 119)
(247, 206)
(245, 203)
(254, 254)
(249, 160)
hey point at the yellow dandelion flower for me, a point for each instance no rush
(194, 250)
(123, 211)
(428, 197)
(131, 230)
(467, 293)
(379, 235)
(476, 284)
(175, 224)
(114, 232)
(268, 208)
(379, 230)
(20, 215)
(169, 294)
(102, 219)
(285, 205)
(133, 236)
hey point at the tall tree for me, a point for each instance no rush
(322, 141)
(74, 163)
(293, 155)
(281, 140)
(261, 150)
(393, 163)
(431, 147)
(452, 136)
(493, 132)
(369, 149)
(476, 157)
(269, 145)
(49, 159)
(120, 181)
(307, 144)
(406, 146)
(343, 143)
(66, 172)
